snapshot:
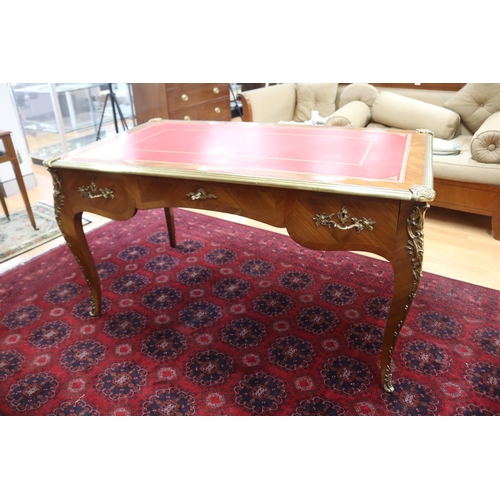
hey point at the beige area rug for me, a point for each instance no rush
(18, 236)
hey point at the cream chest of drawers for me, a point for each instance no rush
(181, 101)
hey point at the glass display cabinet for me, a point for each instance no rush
(60, 117)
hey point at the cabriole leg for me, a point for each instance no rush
(407, 264)
(71, 228)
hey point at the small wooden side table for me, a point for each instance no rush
(10, 155)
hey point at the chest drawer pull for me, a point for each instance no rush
(185, 97)
(216, 90)
(187, 117)
(217, 109)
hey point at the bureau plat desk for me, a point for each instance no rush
(331, 188)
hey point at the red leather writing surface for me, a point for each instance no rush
(264, 150)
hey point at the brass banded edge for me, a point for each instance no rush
(366, 191)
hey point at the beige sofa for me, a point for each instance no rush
(469, 118)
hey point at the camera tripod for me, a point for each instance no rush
(115, 107)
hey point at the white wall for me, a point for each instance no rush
(9, 120)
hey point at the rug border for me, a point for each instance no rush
(85, 222)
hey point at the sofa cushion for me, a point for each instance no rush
(485, 145)
(315, 96)
(376, 125)
(358, 92)
(475, 102)
(463, 167)
(355, 114)
(403, 112)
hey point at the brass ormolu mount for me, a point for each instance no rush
(343, 216)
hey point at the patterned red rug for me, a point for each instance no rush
(236, 321)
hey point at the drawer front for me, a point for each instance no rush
(192, 94)
(330, 221)
(96, 192)
(260, 203)
(218, 110)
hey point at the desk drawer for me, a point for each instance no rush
(96, 192)
(264, 204)
(335, 221)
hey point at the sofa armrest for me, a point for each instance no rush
(485, 145)
(269, 104)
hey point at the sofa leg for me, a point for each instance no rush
(495, 225)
